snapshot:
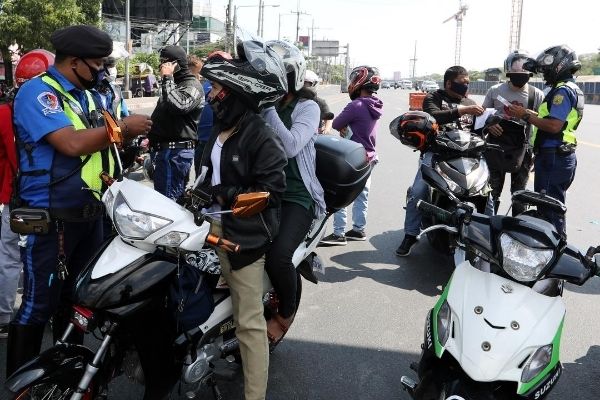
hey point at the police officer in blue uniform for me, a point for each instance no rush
(62, 150)
(555, 123)
(175, 122)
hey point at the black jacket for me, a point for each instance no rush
(177, 112)
(444, 108)
(252, 160)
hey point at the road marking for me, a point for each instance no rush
(588, 144)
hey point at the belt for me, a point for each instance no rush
(561, 150)
(88, 212)
(188, 144)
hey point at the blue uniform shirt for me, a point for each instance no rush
(206, 118)
(561, 103)
(38, 112)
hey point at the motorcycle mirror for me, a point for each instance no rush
(249, 204)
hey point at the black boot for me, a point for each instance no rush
(24, 343)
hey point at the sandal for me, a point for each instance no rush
(277, 327)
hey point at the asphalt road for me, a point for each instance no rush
(357, 331)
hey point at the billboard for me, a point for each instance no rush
(150, 10)
(304, 40)
(325, 48)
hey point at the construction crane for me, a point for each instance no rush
(516, 17)
(462, 10)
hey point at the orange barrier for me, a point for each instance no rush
(415, 101)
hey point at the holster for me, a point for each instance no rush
(30, 221)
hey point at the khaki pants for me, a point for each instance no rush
(246, 287)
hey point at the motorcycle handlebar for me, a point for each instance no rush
(221, 243)
(442, 216)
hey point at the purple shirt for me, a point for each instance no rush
(361, 115)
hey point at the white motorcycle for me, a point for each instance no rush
(121, 294)
(495, 332)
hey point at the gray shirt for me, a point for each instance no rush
(518, 97)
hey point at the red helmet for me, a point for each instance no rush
(32, 64)
(363, 77)
(414, 129)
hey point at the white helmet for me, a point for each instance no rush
(294, 61)
(311, 77)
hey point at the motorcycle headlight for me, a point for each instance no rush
(444, 319)
(521, 262)
(536, 364)
(135, 224)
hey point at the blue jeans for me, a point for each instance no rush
(171, 169)
(359, 213)
(554, 173)
(418, 191)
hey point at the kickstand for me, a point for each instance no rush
(212, 382)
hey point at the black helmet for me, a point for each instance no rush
(515, 61)
(556, 63)
(414, 129)
(363, 77)
(258, 77)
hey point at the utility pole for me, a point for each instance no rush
(127, 93)
(229, 29)
(298, 14)
(260, 8)
(414, 61)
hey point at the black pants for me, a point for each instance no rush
(518, 181)
(295, 223)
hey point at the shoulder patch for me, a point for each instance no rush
(558, 99)
(50, 103)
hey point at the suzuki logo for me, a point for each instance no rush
(507, 288)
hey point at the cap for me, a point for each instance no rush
(174, 53)
(83, 41)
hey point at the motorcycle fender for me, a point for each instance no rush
(428, 359)
(61, 363)
(541, 390)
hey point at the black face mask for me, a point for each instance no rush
(459, 88)
(227, 111)
(97, 76)
(519, 80)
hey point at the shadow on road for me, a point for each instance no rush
(425, 270)
(580, 377)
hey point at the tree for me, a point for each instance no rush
(31, 22)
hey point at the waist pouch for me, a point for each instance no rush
(190, 300)
(30, 221)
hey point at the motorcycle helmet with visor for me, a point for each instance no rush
(556, 63)
(363, 77)
(415, 129)
(294, 62)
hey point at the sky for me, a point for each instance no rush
(383, 32)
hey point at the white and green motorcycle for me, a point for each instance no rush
(495, 332)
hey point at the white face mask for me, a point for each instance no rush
(112, 73)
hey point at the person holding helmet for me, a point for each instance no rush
(311, 80)
(243, 154)
(554, 136)
(61, 151)
(30, 65)
(296, 121)
(516, 91)
(358, 121)
(449, 105)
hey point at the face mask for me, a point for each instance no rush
(519, 80)
(459, 88)
(97, 76)
(227, 109)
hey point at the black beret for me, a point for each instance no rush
(83, 41)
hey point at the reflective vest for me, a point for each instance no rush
(96, 163)
(567, 134)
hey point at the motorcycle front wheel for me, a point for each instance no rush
(50, 391)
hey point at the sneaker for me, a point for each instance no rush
(3, 331)
(406, 246)
(356, 235)
(334, 240)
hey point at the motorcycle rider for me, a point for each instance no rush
(556, 121)
(243, 154)
(55, 126)
(515, 91)
(358, 121)
(446, 106)
(296, 121)
(30, 65)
